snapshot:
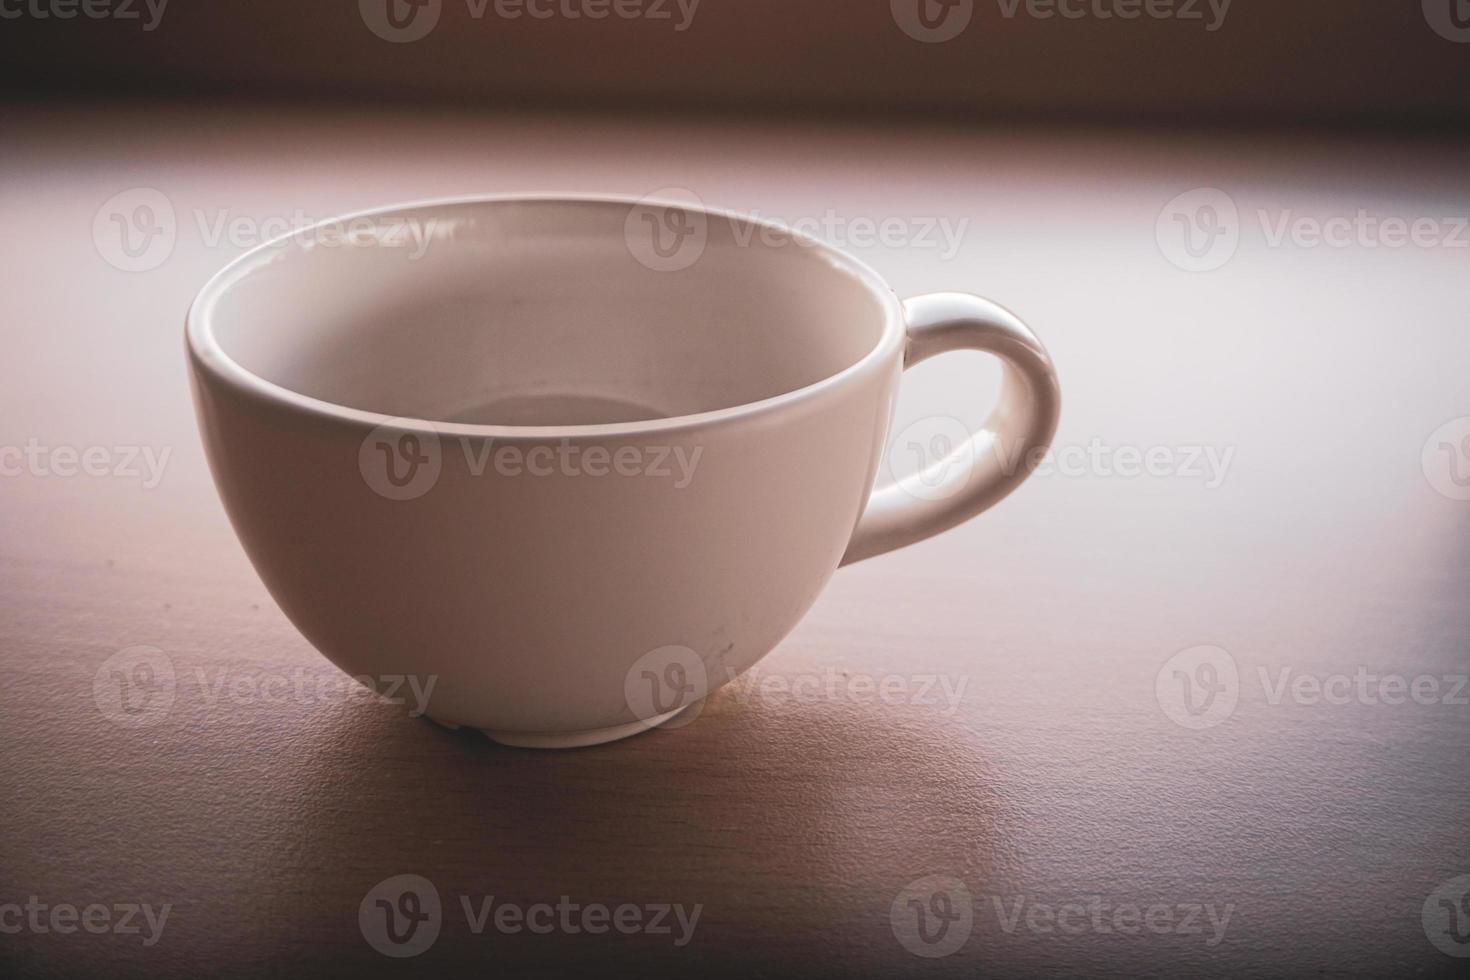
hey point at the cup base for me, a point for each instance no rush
(571, 740)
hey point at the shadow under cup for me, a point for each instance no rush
(543, 312)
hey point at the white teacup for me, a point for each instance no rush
(575, 462)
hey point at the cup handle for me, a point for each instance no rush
(994, 460)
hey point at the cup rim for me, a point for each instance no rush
(211, 357)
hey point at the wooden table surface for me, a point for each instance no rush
(993, 724)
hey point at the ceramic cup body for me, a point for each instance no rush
(502, 444)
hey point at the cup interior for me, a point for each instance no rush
(545, 312)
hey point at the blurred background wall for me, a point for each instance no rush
(1394, 63)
